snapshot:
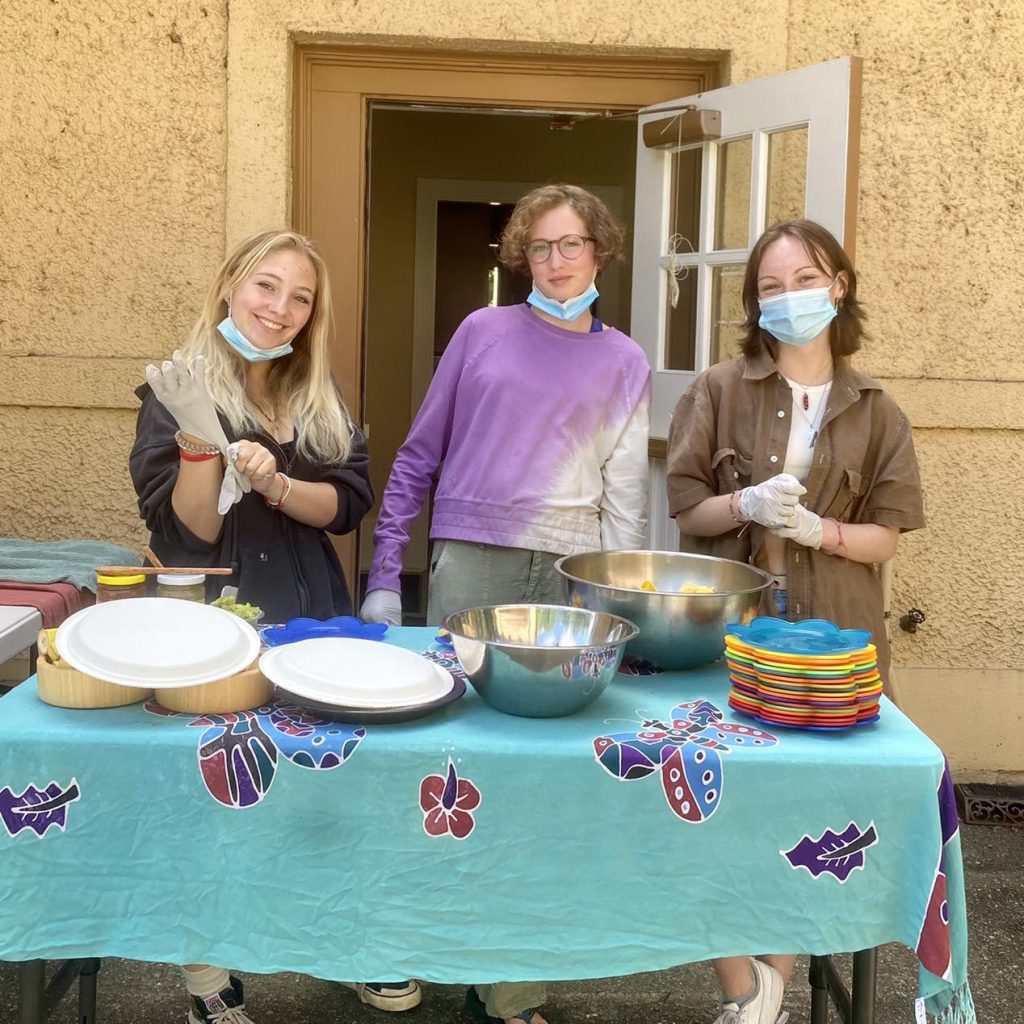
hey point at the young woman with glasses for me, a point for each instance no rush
(537, 419)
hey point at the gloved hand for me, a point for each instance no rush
(772, 502)
(382, 606)
(805, 528)
(182, 392)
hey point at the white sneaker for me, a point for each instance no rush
(763, 1006)
(392, 998)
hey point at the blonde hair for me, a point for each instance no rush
(300, 382)
(608, 234)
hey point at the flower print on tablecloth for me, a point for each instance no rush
(238, 752)
(448, 802)
(833, 853)
(687, 753)
(37, 809)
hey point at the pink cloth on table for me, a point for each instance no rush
(54, 601)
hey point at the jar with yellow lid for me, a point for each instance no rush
(183, 586)
(116, 588)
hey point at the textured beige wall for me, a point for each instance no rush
(128, 153)
(112, 154)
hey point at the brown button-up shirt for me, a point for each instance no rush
(731, 429)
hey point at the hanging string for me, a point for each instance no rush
(676, 273)
(674, 270)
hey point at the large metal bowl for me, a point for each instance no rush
(677, 631)
(539, 660)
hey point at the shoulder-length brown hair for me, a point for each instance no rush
(601, 224)
(847, 329)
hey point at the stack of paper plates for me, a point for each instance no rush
(806, 675)
(346, 674)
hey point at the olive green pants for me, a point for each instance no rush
(465, 575)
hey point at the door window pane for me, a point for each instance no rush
(684, 200)
(681, 324)
(726, 311)
(787, 175)
(732, 198)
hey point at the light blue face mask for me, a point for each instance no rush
(797, 318)
(571, 309)
(244, 347)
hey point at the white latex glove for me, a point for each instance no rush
(772, 502)
(182, 392)
(805, 528)
(382, 606)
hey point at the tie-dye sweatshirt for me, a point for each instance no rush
(542, 433)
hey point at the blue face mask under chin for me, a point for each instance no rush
(244, 347)
(797, 318)
(571, 309)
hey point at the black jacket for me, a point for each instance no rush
(285, 567)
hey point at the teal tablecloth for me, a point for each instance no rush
(474, 846)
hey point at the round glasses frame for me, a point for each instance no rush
(570, 246)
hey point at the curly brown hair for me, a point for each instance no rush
(847, 329)
(601, 224)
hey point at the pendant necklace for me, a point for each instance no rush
(803, 403)
(272, 420)
(815, 422)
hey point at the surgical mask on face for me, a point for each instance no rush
(797, 318)
(571, 309)
(244, 347)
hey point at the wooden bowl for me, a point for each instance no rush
(243, 690)
(65, 687)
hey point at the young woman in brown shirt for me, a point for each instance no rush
(789, 458)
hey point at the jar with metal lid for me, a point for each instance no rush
(116, 588)
(184, 586)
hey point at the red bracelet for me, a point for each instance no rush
(841, 545)
(189, 457)
(733, 509)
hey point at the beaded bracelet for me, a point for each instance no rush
(287, 490)
(734, 508)
(194, 448)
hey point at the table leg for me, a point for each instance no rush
(864, 976)
(87, 991)
(31, 984)
(819, 990)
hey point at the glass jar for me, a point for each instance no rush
(116, 588)
(184, 587)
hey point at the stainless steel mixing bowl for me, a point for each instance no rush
(538, 660)
(677, 630)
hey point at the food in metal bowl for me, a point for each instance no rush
(678, 629)
(538, 661)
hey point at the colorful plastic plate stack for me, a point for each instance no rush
(803, 675)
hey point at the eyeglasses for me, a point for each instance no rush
(570, 246)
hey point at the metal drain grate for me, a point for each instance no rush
(985, 804)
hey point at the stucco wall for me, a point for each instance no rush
(112, 158)
(133, 139)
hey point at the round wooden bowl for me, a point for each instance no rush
(243, 690)
(65, 687)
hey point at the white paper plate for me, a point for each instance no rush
(157, 642)
(355, 673)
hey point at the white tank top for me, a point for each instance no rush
(804, 426)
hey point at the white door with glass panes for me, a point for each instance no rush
(712, 172)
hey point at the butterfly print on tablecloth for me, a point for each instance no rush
(686, 752)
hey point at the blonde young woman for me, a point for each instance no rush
(245, 456)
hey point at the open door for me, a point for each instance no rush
(712, 171)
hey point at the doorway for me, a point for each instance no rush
(342, 99)
(441, 185)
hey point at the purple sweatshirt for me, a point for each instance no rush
(542, 433)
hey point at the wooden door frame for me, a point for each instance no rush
(332, 88)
